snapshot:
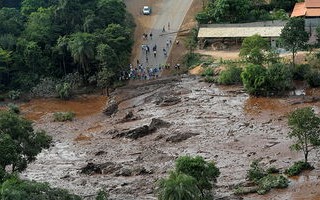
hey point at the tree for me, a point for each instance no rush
(253, 49)
(279, 78)
(104, 79)
(16, 189)
(293, 36)
(205, 173)
(81, 46)
(254, 79)
(19, 143)
(178, 186)
(305, 129)
(229, 11)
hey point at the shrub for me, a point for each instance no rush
(254, 79)
(3, 97)
(232, 75)
(256, 172)
(63, 116)
(210, 79)
(64, 90)
(14, 94)
(191, 59)
(14, 108)
(313, 78)
(45, 88)
(272, 170)
(279, 78)
(297, 168)
(270, 181)
(208, 72)
(300, 72)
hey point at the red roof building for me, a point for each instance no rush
(309, 8)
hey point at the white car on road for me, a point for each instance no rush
(146, 10)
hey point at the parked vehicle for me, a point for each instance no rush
(146, 10)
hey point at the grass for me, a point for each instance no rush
(63, 116)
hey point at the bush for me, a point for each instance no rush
(279, 78)
(14, 94)
(300, 72)
(256, 172)
(272, 170)
(191, 59)
(64, 90)
(45, 88)
(63, 116)
(3, 97)
(313, 78)
(14, 108)
(297, 168)
(232, 75)
(208, 72)
(254, 79)
(270, 181)
(210, 79)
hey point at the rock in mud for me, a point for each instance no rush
(144, 130)
(104, 168)
(158, 123)
(111, 107)
(178, 137)
(129, 117)
(168, 101)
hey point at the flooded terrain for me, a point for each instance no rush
(218, 123)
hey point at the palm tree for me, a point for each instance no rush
(81, 46)
(178, 186)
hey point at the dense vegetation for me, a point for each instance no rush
(193, 178)
(54, 38)
(229, 11)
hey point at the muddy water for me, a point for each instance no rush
(233, 130)
(82, 106)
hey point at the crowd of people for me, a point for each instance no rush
(149, 65)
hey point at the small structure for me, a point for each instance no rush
(221, 35)
(308, 9)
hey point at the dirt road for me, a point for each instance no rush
(167, 15)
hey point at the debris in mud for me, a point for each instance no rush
(178, 137)
(140, 170)
(168, 101)
(100, 153)
(111, 107)
(104, 168)
(144, 130)
(129, 117)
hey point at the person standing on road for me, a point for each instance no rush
(150, 35)
(164, 29)
(154, 53)
(168, 25)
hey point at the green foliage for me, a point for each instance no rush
(297, 168)
(102, 195)
(55, 38)
(304, 126)
(178, 186)
(256, 172)
(301, 71)
(64, 90)
(279, 78)
(45, 88)
(191, 59)
(313, 78)
(293, 36)
(253, 48)
(63, 116)
(231, 75)
(264, 179)
(205, 173)
(266, 183)
(14, 108)
(254, 79)
(14, 94)
(210, 79)
(208, 72)
(16, 189)
(19, 143)
(193, 178)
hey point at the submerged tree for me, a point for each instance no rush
(305, 127)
